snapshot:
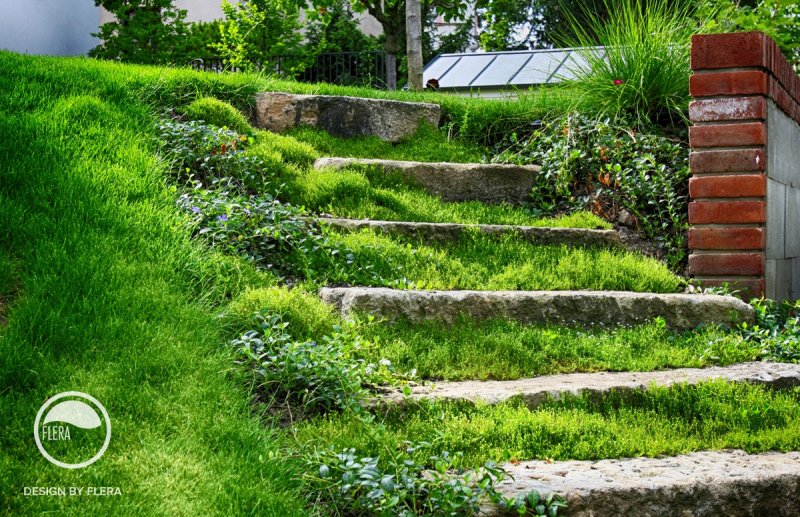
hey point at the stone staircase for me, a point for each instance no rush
(701, 483)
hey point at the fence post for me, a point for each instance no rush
(745, 162)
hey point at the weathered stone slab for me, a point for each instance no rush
(681, 311)
(344, 116)
(537, 390)
(491, 183)
(450, 232)
(712, 483)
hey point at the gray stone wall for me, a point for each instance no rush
(783, 205)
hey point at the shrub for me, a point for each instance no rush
(644, 68)
(608, 167)
(206, 154)
(218, 113)
(411, 481)
(313, 376)
(276, 236)
(776, 331)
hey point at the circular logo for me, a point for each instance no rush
(70, 428)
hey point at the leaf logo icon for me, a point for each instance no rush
(73, 412)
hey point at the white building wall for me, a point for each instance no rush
(51, 27)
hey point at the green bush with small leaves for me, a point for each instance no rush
(605, 166)
(218, 113)
(329, 374)
(776, 331)
(410, 481)
(206, 154)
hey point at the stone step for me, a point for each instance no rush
(535, 391)
(709, 483)
(587, 308)
(345, 117)
(489, 183)
(450, 232)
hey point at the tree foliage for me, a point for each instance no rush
(256, 31)
(143, 31)
(338, 32)
(779, 19)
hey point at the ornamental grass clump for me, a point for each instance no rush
(642, 71)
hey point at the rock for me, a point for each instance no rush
(587, 308)
(491, 183)
(450, 232)
(344, 116)
(537, 390)
(713, 483)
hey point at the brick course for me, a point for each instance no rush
(741, 264)
(739, 160)
(746, 185)
(728, 135)
(727, 238)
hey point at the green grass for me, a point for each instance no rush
(653, 422)
(505, 350)
(115, 301)
(427, 145)
(219, 113)
(485, 262)
(112, 297)
(501, 350)
(368, 193)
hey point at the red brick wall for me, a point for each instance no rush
(735, 76)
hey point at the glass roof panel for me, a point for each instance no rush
(462, 74)
(502, 69)
(439, 66)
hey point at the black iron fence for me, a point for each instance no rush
(342, 68)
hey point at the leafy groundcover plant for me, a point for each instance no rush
(639, 178)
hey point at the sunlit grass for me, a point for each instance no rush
(484, 262)
(657, 421)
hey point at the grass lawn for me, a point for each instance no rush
(501, 350)
(428, 145)
(112, 302)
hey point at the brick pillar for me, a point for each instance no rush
(745, 166)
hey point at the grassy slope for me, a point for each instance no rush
(506, 350)
(109, 305)
(116, 301)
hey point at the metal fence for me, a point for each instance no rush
(342, 68)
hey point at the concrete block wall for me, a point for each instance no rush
(745, 187)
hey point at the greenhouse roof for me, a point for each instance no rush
(498, 70)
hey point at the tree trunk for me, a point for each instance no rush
(392, 45)
(414, 43)
(391, 71)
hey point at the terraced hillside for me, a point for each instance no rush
(266, 325)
